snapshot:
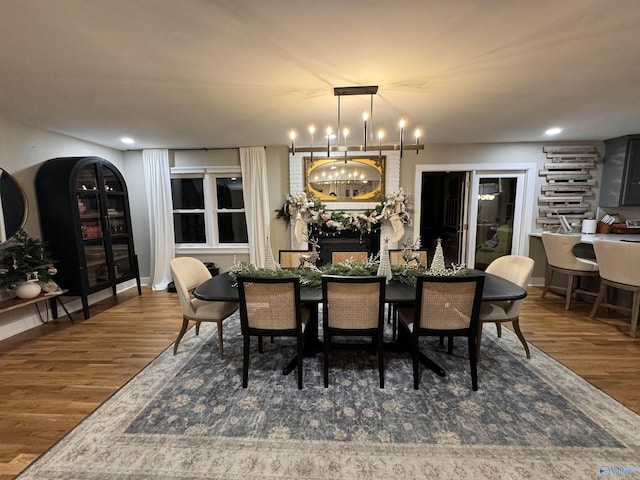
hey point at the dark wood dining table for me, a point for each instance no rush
(221, 288)
(496, 289)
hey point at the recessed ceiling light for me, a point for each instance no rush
(553, 131)
(127, 140)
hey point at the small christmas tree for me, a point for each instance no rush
(384, 270)
(24, 259)
(437, 264)
(269, 261)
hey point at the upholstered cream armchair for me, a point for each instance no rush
(516, 269)
(619, 268)
(561, 259)
(187, 274)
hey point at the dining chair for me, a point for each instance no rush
(516, 269)
(358, 257)
(561, 259)
(619, 268)
(188, 273)
(290, 258)
(353, 306)
(444, 306)
(395, 258)
(271, 307)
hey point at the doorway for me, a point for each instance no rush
(478, 214)
(442, 211)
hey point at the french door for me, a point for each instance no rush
(480, 215)
(495, 213)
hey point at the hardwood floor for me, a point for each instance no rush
(53, 376)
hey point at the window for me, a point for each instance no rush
(208, 210)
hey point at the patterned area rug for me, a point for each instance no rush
(186, 416)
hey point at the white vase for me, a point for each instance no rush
(28, 290)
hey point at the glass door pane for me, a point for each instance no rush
(111, 181)
(96, 261)
(496, 207)
(122, 264)
(116, 219)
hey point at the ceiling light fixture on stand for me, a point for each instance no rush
(341, 145)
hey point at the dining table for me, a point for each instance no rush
(222, 288)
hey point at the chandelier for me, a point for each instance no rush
(337, 140)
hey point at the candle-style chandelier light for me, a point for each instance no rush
(338, 142)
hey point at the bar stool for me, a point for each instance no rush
(619, 268)
(560, 259)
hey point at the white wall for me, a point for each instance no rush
(22, 150)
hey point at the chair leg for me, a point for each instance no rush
(326, 341)
(220, 338)
(416, 363)
(260, 344)
(635, 311)
(516, 328)
(479, 340)
(450, 345)
(380, 341)
(394, 317)
(548, 276)
(499, 329)
(601, 295)
(183, 329)
(245, 361)
(299, 354)
(197, 328)
(473, 362)
(570, 284)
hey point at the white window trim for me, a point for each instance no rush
(209, 175)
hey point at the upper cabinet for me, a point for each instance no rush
(621, 172)
(86, 223)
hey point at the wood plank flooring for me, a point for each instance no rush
(53, 376)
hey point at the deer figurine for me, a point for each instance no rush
(409, 254)
(308, 260)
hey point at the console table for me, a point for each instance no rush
(13, 303)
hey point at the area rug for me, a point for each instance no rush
(187, 417)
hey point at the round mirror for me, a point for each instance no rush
(13, 206)
(351, 179)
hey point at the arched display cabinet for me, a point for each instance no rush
(86, 223)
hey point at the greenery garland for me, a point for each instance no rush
(349, 268)
(315, 212)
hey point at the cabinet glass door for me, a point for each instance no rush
(111, 181)
(96, 262)
(122, 264)
(116, 220)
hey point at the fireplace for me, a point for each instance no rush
(344, 242)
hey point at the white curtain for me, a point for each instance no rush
(253, 162)
(162, 243)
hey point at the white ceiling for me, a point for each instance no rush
(198, 73)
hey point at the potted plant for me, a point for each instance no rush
(25, 265)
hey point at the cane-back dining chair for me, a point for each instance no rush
(396, 258)
(619, 268)
(291, 258)
(353, 306)
(188, 273)
(358, 257)
(271, 307)
(419, 259)
(444, 306)
(516, 269)
(561, 259)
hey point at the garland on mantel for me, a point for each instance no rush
(307, 209)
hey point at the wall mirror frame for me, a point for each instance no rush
(13, 207)
(345, 179)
